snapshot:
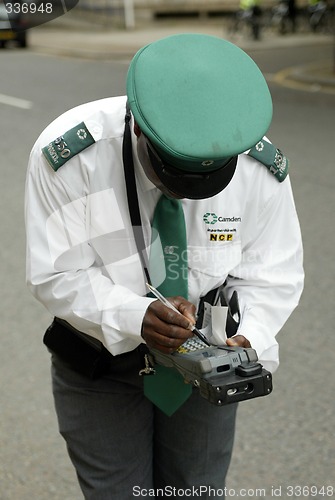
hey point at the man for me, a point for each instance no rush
(199, 109)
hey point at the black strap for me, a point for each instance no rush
(134, 209)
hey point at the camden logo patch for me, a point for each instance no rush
(212, 218)
(219, 228)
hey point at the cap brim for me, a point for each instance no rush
(194, 186)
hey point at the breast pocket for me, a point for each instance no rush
(210, 265)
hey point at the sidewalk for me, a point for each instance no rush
(71, 37)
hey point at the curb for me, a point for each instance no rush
(112, 43)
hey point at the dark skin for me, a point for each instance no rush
(163, 328)
(166, 330)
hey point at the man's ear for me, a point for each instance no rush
(137, 130)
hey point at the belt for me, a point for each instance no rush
(83, 353)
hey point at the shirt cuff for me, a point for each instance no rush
(125, 334)
(131, 316)
(265, 346)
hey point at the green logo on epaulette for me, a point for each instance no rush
(272, 158)
(68, 145)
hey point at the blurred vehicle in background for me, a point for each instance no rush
(13, 24)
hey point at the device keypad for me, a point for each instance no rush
(191, 345)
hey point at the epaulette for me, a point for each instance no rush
(65, 147)
(272, 158)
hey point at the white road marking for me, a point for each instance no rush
(15, 101)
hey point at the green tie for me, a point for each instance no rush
(168, 256)
(168, 272)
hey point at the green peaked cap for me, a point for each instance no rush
(199, 99)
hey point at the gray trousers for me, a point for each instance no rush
(123, 447)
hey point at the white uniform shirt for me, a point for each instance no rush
(82, 262)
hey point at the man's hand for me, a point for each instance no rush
(238, 340)
(166, 330)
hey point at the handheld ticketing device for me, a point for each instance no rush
(222, 374)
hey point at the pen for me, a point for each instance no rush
(168, 304)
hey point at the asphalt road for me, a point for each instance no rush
(284, 442)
